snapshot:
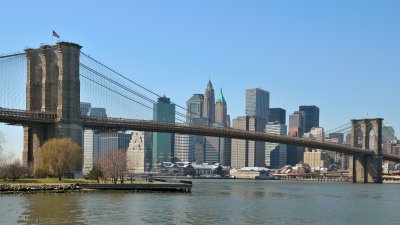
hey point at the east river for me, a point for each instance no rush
(215, 202)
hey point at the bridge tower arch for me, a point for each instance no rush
(366, 169)
(52, 86)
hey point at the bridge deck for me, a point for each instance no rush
(27, 118)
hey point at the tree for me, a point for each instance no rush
(114, 166)
(94, 174)
(58, 156)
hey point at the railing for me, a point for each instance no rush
(23, 117)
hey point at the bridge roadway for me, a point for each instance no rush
(27, 118)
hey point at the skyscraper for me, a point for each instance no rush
(296, 124)
(163, 143)
(311, 116)
(139, 153)
(222, 119)
(277, 114)
(112, 141)
(85, 106)
(247, 153)
(195, 107)
(257, 103)
(275, 154)
(184, 147)
(296, 129)
(209, 103)
(221, 115)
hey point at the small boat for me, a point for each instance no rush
(264, 175)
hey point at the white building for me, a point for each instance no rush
(139, 153)
(90, 149)
(275, 154)
(184, 148)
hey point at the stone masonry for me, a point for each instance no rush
(52, 86)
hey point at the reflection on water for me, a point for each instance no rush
(214, 202)
(51, 209)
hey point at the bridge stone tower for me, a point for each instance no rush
(366, 169)
(52, 86)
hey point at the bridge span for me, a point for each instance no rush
(37, 118)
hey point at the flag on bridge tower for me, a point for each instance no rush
(55, 34)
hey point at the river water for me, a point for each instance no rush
(215, 202)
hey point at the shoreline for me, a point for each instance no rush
(35, 188)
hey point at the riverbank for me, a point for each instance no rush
(34, 186)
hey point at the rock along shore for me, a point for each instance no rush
(39, 188)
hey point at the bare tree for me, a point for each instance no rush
(114, 166)
(58, 156)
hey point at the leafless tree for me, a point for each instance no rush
(114, 166)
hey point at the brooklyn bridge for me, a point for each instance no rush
(54, 75)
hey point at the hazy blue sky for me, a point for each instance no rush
(343, 56)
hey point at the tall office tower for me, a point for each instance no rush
(209, 103)
(97, 112)
(248, 153)
(212, 150)
(275, 154)
(257, 103)
(194, 107)
(222, 119)
(85, 106)
(296, 129)
(338, 136)
(112, 141)
(195, 116)
(90, 138)
(184, 147)
(311, 115)
(221, 111)
(90, 150)
(163, 143)
(139, 153)
(296, 124)
(277, 114)
(388, 134)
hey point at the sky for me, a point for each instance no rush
(342, 56)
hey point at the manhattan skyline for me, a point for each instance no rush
(348, 67)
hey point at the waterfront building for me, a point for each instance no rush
(316, 160)
(163, 143)
(139, 153)
(311, 116)
(257, 103)
(277, 115)
(275, 153)
(247, 153)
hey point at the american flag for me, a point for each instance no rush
(55, 34)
